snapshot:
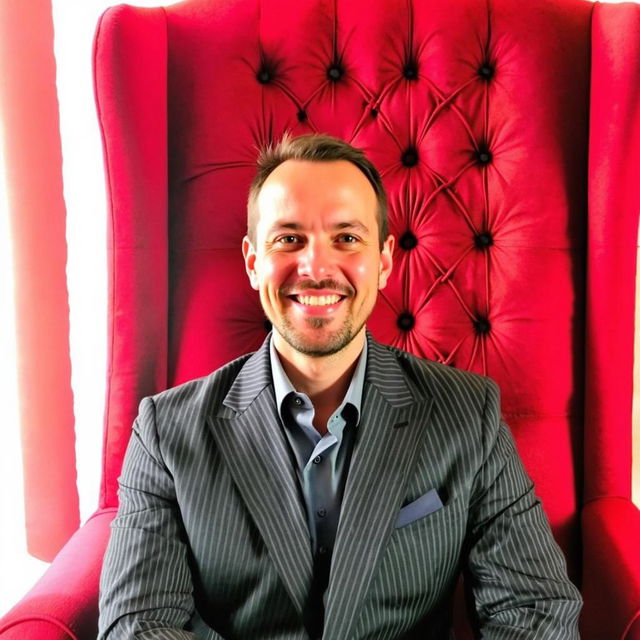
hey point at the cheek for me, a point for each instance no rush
(275, 272)
(267, 269)
(365, 269)
(362, 269)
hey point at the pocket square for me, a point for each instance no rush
(423, 506)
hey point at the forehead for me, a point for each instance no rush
(316, 188)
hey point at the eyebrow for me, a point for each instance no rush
(295, 226)
(352, 224)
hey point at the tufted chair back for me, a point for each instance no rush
(479, 114)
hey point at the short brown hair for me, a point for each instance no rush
(314, 148)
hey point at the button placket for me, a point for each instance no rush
(321, 448)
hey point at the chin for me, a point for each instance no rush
(325, 344)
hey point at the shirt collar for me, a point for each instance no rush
(283, 387)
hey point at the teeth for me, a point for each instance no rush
(318, 301)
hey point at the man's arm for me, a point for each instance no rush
(517, 572)
(146, 587)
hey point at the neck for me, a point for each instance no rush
(324, 379)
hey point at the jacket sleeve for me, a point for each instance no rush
(146, 587)
(516, 571)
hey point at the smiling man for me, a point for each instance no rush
(327, 486)
(317, 254)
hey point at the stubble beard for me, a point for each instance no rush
(333, 343)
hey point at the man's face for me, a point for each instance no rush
(317, 261)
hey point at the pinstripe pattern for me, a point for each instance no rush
(211, 532)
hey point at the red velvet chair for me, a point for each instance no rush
(508, 136)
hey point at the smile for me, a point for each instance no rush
(324, 306)
(317, 301)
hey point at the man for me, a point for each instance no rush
(327, 485)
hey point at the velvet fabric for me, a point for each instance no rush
(63, 605)
(507, 138)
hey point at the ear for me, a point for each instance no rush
(386, 261)
(249, 254)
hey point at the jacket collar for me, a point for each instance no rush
(383, 372)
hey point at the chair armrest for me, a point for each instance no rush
(63, 604)
(611, 570)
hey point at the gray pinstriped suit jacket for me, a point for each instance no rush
(211, 539)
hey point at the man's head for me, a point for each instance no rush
(314, 249)
(315, 148)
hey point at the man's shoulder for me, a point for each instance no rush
(440, 378)
(464, 401)
(207, 391)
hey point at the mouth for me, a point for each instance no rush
(317, 301)
(324, 305)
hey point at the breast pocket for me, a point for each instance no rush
(425, 505)
(421, 558)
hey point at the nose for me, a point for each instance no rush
(316, 262)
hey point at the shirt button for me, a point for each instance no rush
(298, 401)
(322, 512)
(317, 460)
(322, 550)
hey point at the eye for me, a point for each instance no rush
(290, 239)
(348, 238)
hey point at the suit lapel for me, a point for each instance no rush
(390, 428)
(256, 453)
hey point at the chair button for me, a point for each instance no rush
(406, 321)
(482, 326)
(408, 241)
(486, 71)
(484, 156)
(334, 73)
(264, 77)
(483, 240)
(410, 72)
(410, 158)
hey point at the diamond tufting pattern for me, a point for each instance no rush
(446, 120)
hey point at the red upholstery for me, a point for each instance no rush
(63, 605)
(614, 161)
(493, 124)
(611, 530)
